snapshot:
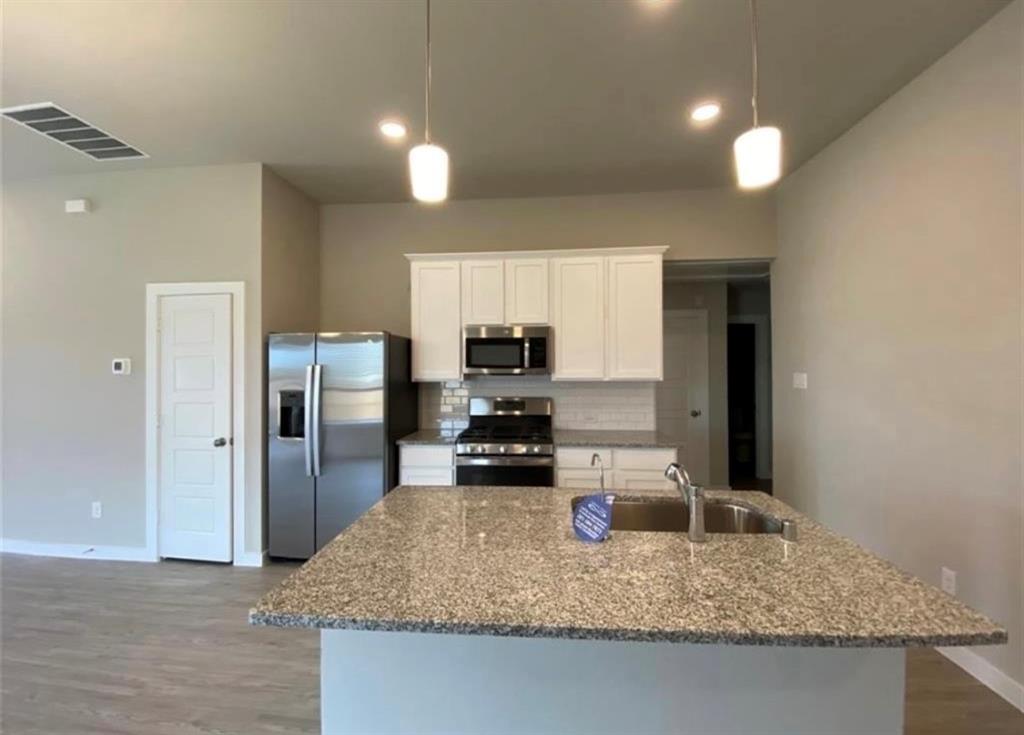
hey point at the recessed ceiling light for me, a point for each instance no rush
(391, 129)
(705, 112)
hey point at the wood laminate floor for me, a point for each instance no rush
(111, 647)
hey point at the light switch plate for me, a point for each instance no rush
(121, 366)
(800, 381)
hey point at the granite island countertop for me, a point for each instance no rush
(562, 438)
(504, 561)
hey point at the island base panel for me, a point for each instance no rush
(419, 683)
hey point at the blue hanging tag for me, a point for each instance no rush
(592, 518)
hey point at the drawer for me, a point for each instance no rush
(580, 456)
(418, 455)
(641, 480)
(581, 479)
(643, 459)
(426, 476)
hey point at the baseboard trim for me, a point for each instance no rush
(982, 670)
(251, 559)
(76, 551)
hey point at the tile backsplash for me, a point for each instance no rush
(621, 406)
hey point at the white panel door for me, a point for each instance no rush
(195, 427)
(436, 324)
(634, 317)
(483, 292)
(577, 304)
(526, 291)
(682, 398)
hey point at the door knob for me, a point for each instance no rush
(220, 441)
(695, 413)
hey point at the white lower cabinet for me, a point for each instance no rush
(425, 464)
(426, 476)
(587, 479)
(640, 480)
(624, 469)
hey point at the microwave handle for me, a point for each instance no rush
(526, 352)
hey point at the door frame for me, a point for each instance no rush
(705, 318)
(762, 389)
(154, 292)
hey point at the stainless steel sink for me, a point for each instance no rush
(657, 514)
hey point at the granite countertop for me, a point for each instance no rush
(606, 438)
(562, 438)
(504, 561)
(429, 436)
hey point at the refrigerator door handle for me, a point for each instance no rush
(317, 418)
(307, 428)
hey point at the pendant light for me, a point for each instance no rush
(428, 163)
(759, 150)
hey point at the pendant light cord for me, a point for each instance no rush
(753, 49)
(427, 131)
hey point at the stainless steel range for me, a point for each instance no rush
(508, 442)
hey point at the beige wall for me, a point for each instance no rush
(710, 296)
(289, 270)
(74, 297)
(289, 257)
(365, 278)
(897, 288)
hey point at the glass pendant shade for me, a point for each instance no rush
(428, 171)
(758, 157)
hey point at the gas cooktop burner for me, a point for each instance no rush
(507, 427)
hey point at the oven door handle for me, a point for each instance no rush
(519, 461)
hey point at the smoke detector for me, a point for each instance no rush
(72, 131)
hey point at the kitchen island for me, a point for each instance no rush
(475, 609)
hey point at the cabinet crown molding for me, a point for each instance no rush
(563, 253)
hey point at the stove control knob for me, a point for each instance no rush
(535, 449)
(479, 449)
(502, 449)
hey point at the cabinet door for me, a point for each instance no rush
(640, 480)
(436, 326)
(588, 479)
(526, 291)
(483, 288)
(430, 476)
(634, 317)
(577, 302)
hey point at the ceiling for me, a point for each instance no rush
(531, 97)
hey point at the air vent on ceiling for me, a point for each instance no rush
(47, 119)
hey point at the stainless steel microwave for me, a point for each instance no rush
(506, 350)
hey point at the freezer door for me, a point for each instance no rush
(352, 440)
(291, 494)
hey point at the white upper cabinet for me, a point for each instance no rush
(436, 324)
(604, 307)
(526, 291)
(634, 349)
(578, 317)
(483, 292)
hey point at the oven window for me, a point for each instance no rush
(494, 353)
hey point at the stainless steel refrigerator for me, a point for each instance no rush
(336, 404)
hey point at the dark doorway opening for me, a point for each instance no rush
(742, 370)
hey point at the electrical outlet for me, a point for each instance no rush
(97, 509)
(800, 381)
(948, 581)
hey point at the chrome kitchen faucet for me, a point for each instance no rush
(596, 460)
(693, 496)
